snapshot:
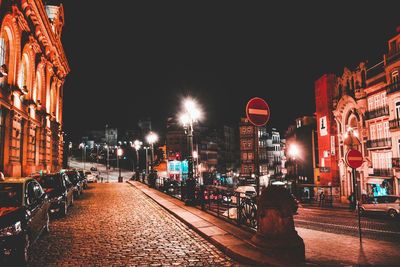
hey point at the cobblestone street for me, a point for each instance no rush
(115, 224)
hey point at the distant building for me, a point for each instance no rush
(33, 71)
(301, 168)
(111, 135)
(259, 148)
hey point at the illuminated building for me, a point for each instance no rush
(31, 87)
(365, 101)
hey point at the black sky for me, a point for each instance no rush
(130, 61)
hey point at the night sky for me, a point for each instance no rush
(137, 60)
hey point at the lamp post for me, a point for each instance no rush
(69, 153)
(294, 153)
(108, 159)
(351, 141)
(136, 144)
(151, 139)
(120, 152)
(83, 147)
(190, 114)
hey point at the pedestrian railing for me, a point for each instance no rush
(235, 207)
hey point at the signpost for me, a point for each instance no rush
(257, 112)
(354, 160)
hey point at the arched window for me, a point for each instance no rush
(3, 51)
(22, 76)
(395, 76)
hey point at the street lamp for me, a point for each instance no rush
(136, 144)
(146, 148)
(120, 152)
(151, 139)
(190, 114)
(294, 153)
(83, 147)
(108, 159)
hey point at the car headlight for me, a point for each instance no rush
(11, 230)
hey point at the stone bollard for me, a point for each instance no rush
(276, 235)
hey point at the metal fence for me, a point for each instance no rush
(236, 207)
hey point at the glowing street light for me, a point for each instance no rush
(136, 144)
(120, 152)
(151, 139)
(190, 114)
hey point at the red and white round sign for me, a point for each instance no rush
(354, 158)
(257, 111)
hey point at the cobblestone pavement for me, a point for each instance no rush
(115, 224)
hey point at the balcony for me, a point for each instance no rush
(382, 172)
(396, 162)
(392, 56)
(394, 124)
(379, 143)
(393, 87)
(375, 113)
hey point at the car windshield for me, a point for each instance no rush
(50, 181)
(10, 195)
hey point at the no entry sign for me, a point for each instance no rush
(354, 158)
(257, 111)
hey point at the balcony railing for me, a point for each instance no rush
(394, 124)
(393, 87)
(375, 113)
(392, 56)
(396, 162)
(383, 142)
(382, 172)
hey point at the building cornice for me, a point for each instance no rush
(35, 10)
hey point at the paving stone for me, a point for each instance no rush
(115, 224)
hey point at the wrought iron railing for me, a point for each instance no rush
(393, 87)
(236, 207)
(394, 124)
(382, 111)
(382, 142)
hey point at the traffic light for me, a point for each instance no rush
(178, 156)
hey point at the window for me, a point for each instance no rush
(377, 101)
(370, 103)
(250, 156)
(372, 132)
(379, 133)
(397, 110)
(22, 75)
(386, 129)
(395, 76)
(244, 156)
(374, 160)
(383, 98)
(3, 51)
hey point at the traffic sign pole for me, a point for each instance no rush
(354, 159)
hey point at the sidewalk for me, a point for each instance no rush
(322, 249)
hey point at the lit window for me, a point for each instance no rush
(2, 51)
(395, 76)
(22, 76)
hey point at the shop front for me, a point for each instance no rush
(379, 186)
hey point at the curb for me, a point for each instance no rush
(254, 257)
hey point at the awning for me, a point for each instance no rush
(375, 180)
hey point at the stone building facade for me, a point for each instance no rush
(364, 102)
(33, 71)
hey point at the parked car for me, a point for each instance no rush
(60, 191)
(77, 183)
(91, 177)
(24, 215)
(82, 177)
(389, 205)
